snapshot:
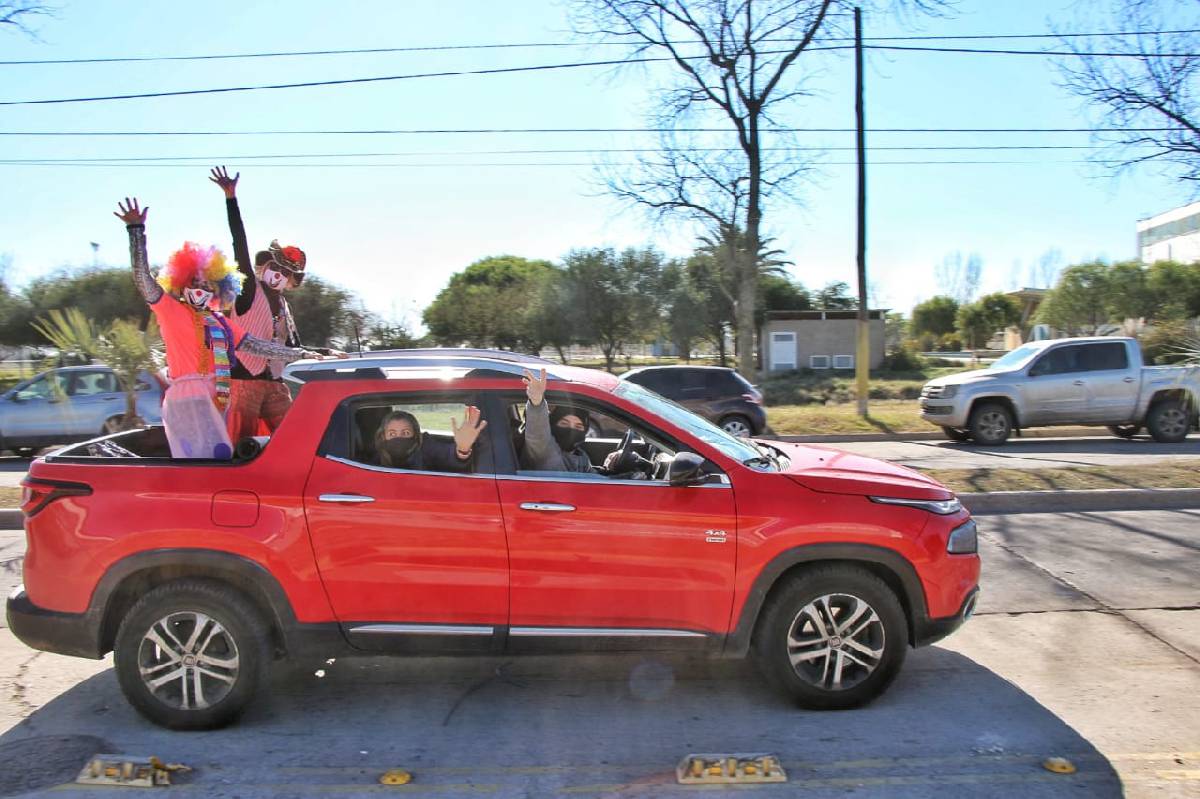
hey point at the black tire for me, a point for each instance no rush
(1125, 430)
(810, 682)
(1169, 421)
(25, 452)
(954, 434)
(736, 425)
(240, 637)
(991, 424)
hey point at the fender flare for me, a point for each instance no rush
(876, 559)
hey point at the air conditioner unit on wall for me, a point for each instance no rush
(843, 362)
(818, 362)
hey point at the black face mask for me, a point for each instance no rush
(568, 437)
(401, 449)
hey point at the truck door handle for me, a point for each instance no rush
(1079, 382)
(347, 499)
(1128, 380)
(547, 507)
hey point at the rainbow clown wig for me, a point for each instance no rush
(192, 261)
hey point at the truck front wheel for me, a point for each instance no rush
(190, 654)
(1168, 421)
(832, 637)
(991, 424)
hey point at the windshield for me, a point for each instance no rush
(741, 450)
(1016, 358)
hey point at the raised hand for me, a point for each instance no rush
(129, 212)
(220, 176)
(466, 433)
(535, 386)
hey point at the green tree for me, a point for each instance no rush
(123, 346)
(1174, 290)
(15, 318)
(1128, 292)
(1079, 303)
(935, 317)
(548, 314)
(489, 303)
(102, 294)
(715, 308)
(682, 297)
(977, 321)
(614, 296)
(836, 297)
(325, 313)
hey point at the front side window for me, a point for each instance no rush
(89, 383)
(1016, 358)
(415, 433)
(1058, 361)
(51, 386)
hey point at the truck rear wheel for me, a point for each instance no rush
(191, 654)
(991, 424)
(1168, 421)
(831, 638)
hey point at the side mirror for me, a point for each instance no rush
(687, 468)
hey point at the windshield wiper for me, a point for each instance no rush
(761, 460)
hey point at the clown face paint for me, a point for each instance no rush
(274, 279)
(197, 297)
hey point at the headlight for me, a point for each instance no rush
(949, 391)
(942, 507)
(964, 539)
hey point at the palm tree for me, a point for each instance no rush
(123, 346)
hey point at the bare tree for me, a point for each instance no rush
(17, 14)
(737, 61)
(959, 277)
(1142, 82)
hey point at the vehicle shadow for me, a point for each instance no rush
(1018, 447)
(588, 726)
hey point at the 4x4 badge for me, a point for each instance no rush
(714, 536)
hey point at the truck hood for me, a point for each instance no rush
(973, 376)
(833, 471)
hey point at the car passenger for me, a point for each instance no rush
(553, 436)
(400, 444)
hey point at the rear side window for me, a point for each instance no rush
(652, 380)
(88, 383)
(723, 384)
(1106, 356)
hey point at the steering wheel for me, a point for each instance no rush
(627, 459)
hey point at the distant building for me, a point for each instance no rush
(1170, 236)
(817, 339)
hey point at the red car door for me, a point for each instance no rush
(410, 559)
(616, 559)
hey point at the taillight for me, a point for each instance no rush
(754, 398)
(37, 494)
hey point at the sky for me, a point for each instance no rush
(395, 227)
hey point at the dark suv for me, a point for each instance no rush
(718, 394)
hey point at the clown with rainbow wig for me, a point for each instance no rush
(201, 344)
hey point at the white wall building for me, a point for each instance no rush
(1171, 236)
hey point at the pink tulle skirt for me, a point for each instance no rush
(195, 428)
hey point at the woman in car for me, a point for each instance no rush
(553, 436)
(400, 444)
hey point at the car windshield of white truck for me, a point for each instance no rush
(1016, 358)
(701, 428)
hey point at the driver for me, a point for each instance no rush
(553, 436)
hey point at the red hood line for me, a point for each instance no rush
(833, 471)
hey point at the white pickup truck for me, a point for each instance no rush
(1072, 381)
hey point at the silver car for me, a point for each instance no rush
(70, 404)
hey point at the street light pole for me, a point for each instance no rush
(862, 360)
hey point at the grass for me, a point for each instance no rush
(806, 387)
(887, 416)
(10, 497)
(1178, 474)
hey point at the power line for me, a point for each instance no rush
(276, 165)
(544, 45)
(217, 159)
(474, 131)
(1064, 53)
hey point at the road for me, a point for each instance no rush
(1087, 645)
(1033, 453)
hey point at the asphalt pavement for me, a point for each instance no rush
(1086, 646)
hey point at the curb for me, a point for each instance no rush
(833, 438)
(1106, 499)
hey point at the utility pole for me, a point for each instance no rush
(862, 360)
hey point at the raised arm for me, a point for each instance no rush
(135, 223)
(241, 249)
(271, 350)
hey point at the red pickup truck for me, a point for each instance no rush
(825, 566)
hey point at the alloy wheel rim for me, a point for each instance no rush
(836, 642)
(188, 661)
(736, 428)
(993, 425)
(1172, 422)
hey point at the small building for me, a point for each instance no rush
(1170, 236)
(818, 339)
